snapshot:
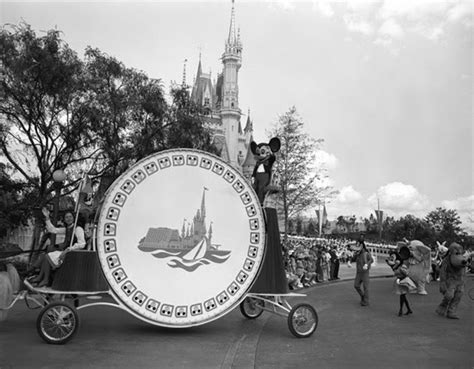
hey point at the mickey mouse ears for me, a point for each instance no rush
(275, 144)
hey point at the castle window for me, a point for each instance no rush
(232, 104)
(206, 101)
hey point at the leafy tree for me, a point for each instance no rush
(12, 211)
(42, 125)
(130, 118)
(341, 222)
(187, 126)
(296, 176)
(411, 228)
(446, 224)
(59, 112)
(125, 110)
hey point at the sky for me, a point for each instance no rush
(387, 84)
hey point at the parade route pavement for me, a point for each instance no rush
(348, 336)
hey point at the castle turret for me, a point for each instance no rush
(220, 100)
(230, 112)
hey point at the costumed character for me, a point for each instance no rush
(262, 172)
(398, 261)
(452, 275)
(272, 276)
(363, 260)
(419, 264)
(437, 255)
(442, 250)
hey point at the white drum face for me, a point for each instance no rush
(181, 238)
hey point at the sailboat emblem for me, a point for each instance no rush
(190, 249)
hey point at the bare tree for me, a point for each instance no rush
(298, 178)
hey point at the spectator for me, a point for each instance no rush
(73, 240)
(310, 276)
(334, 263)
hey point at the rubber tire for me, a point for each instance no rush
(291, 325)
(45, 336)
(246, 313)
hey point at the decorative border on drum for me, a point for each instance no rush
(151, 168)
(128, 292)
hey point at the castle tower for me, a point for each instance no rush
(229, 107)
(203, 92)
(220, 98)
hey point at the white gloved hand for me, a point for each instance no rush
(365, 267)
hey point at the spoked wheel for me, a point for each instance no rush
(57, 323)
(251, 307)
(302, 320)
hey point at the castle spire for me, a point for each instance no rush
(232, 37)
(199, 71)
(203, 203)
(248, 125)
(229, 92)
(184, 73)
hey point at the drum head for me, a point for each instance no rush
(181, 238)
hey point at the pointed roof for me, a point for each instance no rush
(232, 34)
(249, 124)
(184, 72)
(203, 87)
(199, 71)
(203, 203)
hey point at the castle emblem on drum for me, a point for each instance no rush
(188, 249)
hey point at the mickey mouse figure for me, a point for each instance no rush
(262, 172)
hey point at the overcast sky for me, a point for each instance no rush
(388, 84)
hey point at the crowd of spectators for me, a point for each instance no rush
(316, 260)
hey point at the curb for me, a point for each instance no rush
(328, 283)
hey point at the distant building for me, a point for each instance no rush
(334, 227)
(221, 100)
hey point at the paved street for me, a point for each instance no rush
(348, 336)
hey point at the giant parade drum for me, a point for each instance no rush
(181, 238)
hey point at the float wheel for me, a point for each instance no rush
(251, 307)
(57, 323)
(302, 320)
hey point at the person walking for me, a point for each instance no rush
(363, 260)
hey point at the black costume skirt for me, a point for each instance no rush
(272, 276)
(80, 271)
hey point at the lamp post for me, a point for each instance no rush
(58, 177)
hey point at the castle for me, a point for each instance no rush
(191, 233)
(221, 100)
